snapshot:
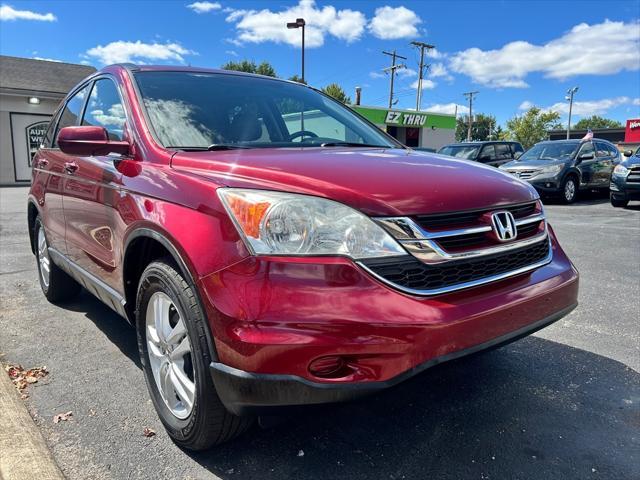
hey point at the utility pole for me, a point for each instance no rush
(570, 93)
(422, 46)
(392, 70)
(470, 95)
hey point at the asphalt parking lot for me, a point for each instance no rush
(564, 403)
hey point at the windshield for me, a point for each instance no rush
(460, 151)
(550, 151)
(202, 110)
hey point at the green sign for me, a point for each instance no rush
(406, 118)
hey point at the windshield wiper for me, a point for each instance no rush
(352, 144)
(211, 148)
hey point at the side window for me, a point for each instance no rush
(587, 148)
(517, 148)
(613, 151)
(602, 150)
(71, 113)
(48, 137)
(503, 151)
(487, 153)
(105, 109)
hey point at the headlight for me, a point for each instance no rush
(551, 169)
(278, 223)
(620, 170)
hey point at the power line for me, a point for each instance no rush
(392, 70)
(470, 95)
(422, 46)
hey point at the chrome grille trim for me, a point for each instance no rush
(461, 286)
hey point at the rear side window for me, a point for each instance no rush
(71, 113)
(613, 151)
(586, 148)
(517, 148)
(105, 109)
(602, 150)
(503, 151)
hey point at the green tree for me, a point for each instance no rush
(297, 78)
(336, 91)
(484, 128)
(249, 66)
(531, 127)
(596, 121)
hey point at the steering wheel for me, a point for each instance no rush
(302, 133)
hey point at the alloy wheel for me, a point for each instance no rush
(170, 355)
(569, 190)
(44, 263)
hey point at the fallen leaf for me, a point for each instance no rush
(62, 416)
(148, 432)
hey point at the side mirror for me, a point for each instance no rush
(89, 141)
(628, 153)
(517, 155)
(587, 156)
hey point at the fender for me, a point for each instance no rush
(185, 270)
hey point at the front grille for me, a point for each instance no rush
(634, 175)
(441, 221)
(524, 174)
(410, 273)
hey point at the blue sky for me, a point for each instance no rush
(515, 53)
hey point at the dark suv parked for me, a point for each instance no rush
(566, 166)
(625, 181)
(491, 153)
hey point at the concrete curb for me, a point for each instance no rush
(23, 452)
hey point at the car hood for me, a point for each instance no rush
(531, 164)
(375, 181)
(631, 161)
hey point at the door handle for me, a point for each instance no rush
(42, 163)
(70, 167)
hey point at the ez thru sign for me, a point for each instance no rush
(406, 119)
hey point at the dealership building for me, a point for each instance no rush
(30, 91)
(414, 129)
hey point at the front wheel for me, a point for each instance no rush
(175, 357)
(569, 190)
(618, 203)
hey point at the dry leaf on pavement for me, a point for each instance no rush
(62, 416)
(148, 432)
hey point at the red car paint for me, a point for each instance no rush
(276, 315)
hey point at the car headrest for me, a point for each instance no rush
(245, 127)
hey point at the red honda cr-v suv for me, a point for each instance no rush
(273, 248)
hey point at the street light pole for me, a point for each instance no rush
(569, 97)
(299, 23)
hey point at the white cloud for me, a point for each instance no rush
(601, 49)
(438, 70)
(233, 53)
(377, 74)
(426, 84)
(138, 52)
(587, 107)
(406, 72)
(257, 26)
(47, 59)
(204, 7)
(7, 13)
(392, 23)
(449, 108)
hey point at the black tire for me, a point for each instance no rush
(618, 203)
(58, 286)
(208, 423)
(569, 191)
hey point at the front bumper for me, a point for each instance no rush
(246, 393)
(550, 186)
(621, 189)
(273, 317)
